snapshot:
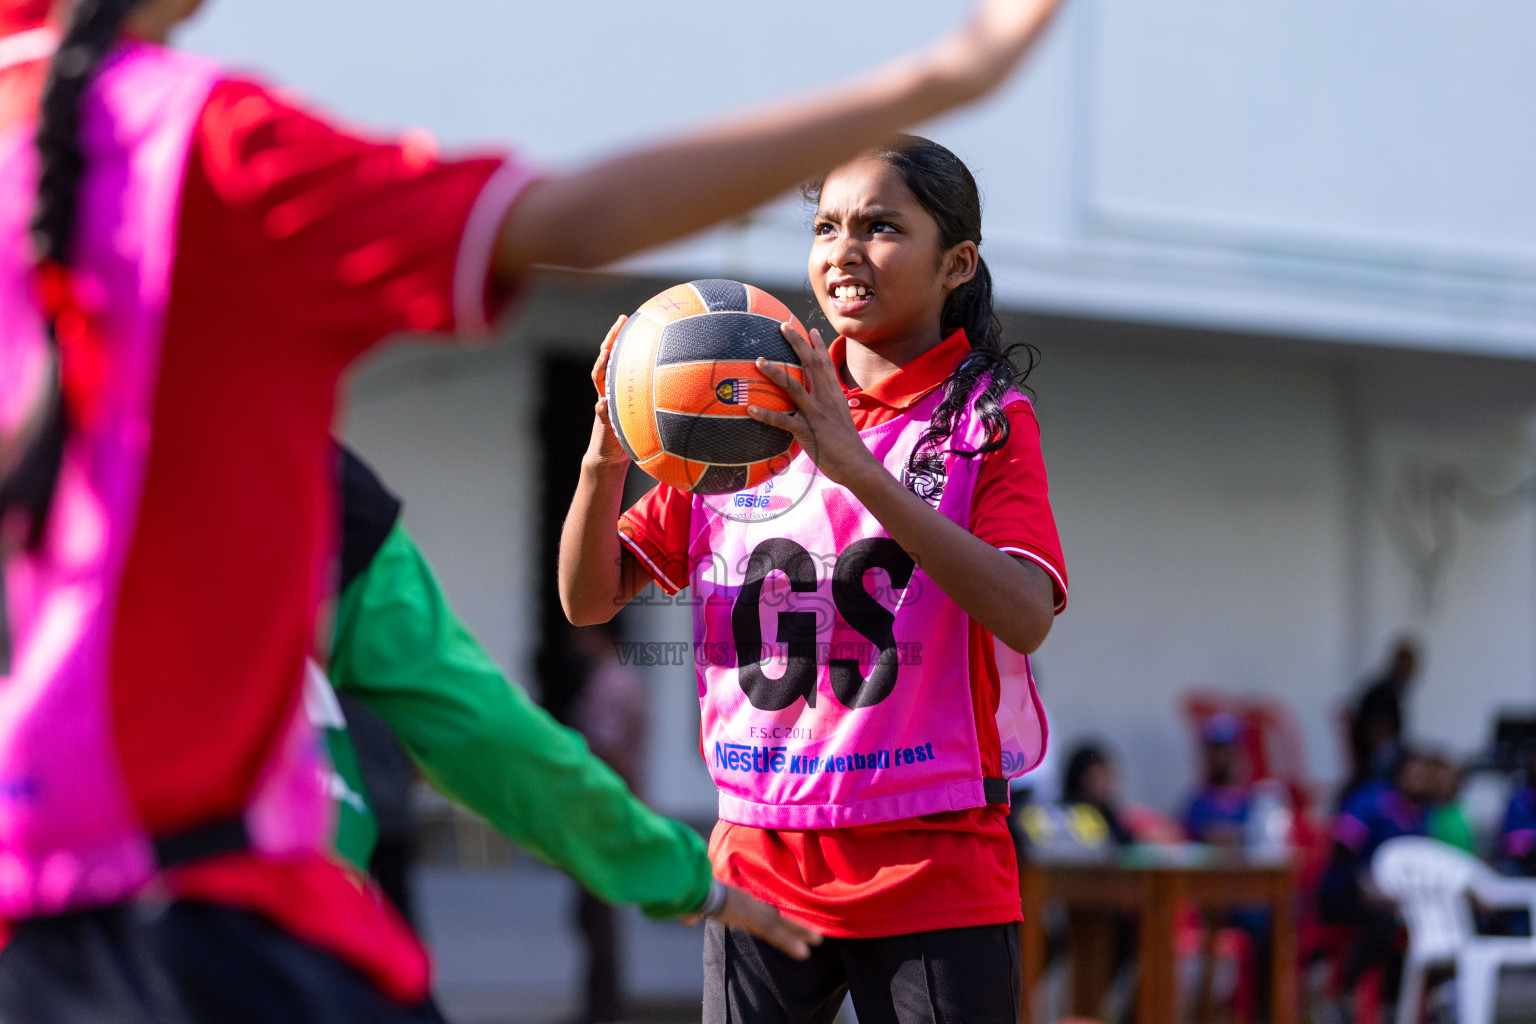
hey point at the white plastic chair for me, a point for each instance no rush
(1430, 882)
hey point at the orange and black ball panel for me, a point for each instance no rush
(682, 374)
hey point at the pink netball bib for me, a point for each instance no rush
(69, 836)
(834, 675)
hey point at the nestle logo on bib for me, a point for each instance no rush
(740, 757)
(1015, 763)
(769, 501)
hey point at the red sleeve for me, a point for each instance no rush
(1012, 507)
(349, 239)
(655, 530)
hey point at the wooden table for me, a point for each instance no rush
(1095, 894)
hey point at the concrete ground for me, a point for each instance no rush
(507, 951)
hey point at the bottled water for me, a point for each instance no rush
(1267, 831)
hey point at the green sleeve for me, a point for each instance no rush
(482, 742)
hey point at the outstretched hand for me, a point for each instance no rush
(763, 920)
(821, 422)
(997, 36)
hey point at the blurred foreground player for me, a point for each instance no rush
(187, 264)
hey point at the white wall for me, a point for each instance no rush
(1201, 507)
(1476, 615)
(453, 434)
(1342, 169)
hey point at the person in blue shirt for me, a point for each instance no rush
(1375, 812)
(1218, 812)
(1517, 842)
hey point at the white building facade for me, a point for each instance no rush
(1280, 260)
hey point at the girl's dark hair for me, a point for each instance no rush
(944, 187)
(93, 28)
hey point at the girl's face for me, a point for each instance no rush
(875, 265)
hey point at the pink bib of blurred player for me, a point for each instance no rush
(69, 836)
(834, 675)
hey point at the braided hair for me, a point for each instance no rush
(92, 30)
(945, 188)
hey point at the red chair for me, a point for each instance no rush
(1221, 944)
(1272, 740)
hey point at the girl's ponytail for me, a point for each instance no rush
(93, 28)
(943, 185)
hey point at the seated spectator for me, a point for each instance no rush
(1515, 855)
(1218, 812)
(1447, 822)
(1091, 790)
(1092, 782)
(1374, 813)
(1517, 844)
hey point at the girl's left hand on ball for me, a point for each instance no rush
(821, 422)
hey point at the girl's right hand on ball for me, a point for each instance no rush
(604, 446)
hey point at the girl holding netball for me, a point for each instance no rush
(188, 263)
(860, 767)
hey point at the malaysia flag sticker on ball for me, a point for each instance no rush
(683, 371)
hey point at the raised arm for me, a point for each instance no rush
(642, 198)
(597, 576)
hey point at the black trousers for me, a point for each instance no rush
(390, 866)
(948, 976)
(194, 963)
(1375, 939)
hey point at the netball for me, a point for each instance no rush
(682, 373)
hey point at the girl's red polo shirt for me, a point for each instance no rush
(943, 870)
